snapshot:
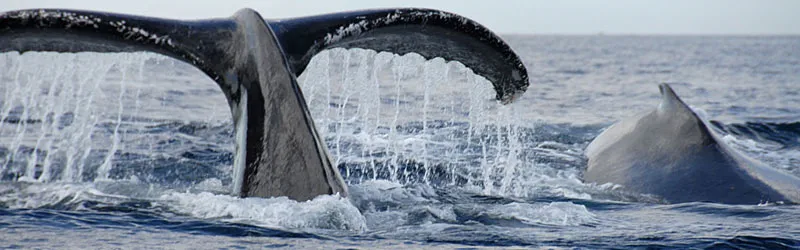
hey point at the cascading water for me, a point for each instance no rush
(380, 122)
(66, 117)
(67, 121)
(136, 149)
(49, 115)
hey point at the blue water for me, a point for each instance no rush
(135, 150)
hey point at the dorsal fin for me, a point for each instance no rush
(672, 105)
(671, 153)
(670, 102)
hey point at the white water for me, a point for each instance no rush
(374, 109)
(532, 166)
(360, 97)
(81, 105)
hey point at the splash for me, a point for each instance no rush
(324, 212)
(100, 117)
(68, 117)
(410, 120)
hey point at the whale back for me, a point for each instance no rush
(670, 152)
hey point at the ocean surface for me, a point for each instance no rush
(135, 150)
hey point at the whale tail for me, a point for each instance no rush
(256, 61)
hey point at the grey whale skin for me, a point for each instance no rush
(256, 61)
(671, 153)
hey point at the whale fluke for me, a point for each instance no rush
(430, 33)
(256, 61)
(671, 153)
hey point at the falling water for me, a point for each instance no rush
(48, 115)
(65, 117)
(381, 122)
(400, 118)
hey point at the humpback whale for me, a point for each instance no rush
(670, 152)
(256, 61)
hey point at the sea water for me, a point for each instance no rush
(134, 150)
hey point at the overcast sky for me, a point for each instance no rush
(503, 16)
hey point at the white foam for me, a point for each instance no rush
(373, 192)
(772, 154)
(554, 213)
(323, 212)
(212, 185)
(37, 195)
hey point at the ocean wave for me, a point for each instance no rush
(323, 212)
